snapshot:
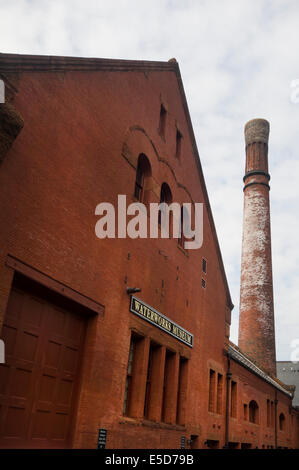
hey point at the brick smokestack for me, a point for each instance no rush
(256, 324)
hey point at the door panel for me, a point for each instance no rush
(38, 382)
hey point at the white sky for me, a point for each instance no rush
(237, 59)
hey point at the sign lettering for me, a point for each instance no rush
(152, 316)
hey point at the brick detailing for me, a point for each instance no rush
(256, 327)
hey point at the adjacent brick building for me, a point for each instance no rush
(288, 373)
(84, 351)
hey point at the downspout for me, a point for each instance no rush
(275, 418)
(228, 379)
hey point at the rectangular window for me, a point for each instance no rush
(268, 413)
(153, 382)
(212, 384)
(178, 144)
(167, 388)
(167, 404)
(139, 183)
(233, 403)
(130, 372)
(148, 381)
(219, 392)
(272, 414)
(245, 409)
(182, 391)
(162, 123)
(203, 283)
(204, 265)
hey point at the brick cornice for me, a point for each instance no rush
(44, 63)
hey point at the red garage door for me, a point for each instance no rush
(39, 381)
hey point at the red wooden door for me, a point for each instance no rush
(38, 382)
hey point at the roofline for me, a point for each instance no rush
(236, 354)
(42, 63)
(289, 362)
(48, 63)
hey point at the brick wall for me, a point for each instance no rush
(82, 135)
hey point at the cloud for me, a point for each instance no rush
(237, 60)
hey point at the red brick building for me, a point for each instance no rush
(80, 353)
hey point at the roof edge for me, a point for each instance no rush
(236, 354)
(23, 62)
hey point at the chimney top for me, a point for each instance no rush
(257, 130)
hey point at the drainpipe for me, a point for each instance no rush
(275, 418)
(228, 379)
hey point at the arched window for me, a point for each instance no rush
(282, 422)
(253, 412)
(142, 173)
(165, 196)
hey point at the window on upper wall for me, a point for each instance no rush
(162, 122)
(245, 412)
(165, 196)
(204, 265)
(253, 412)
(268, 413)
(219, 393)
(142, 173)
(212, 390)
(282, 422)
(233, 402)
(178, 147)
(272, 414)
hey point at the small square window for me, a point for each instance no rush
(162, 123)
(178, 144)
